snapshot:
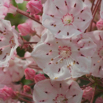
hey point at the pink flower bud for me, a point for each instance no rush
(87, 93)
(39, 77)
(25, 28)
(34, 7)
(26, 88)
(12, 9)
(29, 74)
(100, 24)
(99, 100)
(6, 93)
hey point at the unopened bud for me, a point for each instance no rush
(26, 89)
(29, 74)
(39, 77)
(100, 24)
(6, 93)
(34, 7)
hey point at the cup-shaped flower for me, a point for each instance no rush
(8, 42)
(48, 91)
(63, 58)
(4, 8)
(97, 58)
(14, 72)
(66, 18)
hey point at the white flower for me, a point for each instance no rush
(48, 91)
(63, 58)
(97, 58)
(66, 18)
(8, 42)
(4, 8)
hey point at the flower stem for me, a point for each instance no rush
(94, 12)
(27, 15)
(24, 95)
(93, 95)
(24, 100)
(83, 87)
(30, 42)
(92, 5)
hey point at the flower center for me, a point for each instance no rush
(60, 99)
(64, 52)
(68, 19)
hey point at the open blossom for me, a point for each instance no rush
(63, 58)
(8, 42)
(4, 8)
(34, 6)
(97, 58)
(14, 72)
(48, 91)
(66, 18)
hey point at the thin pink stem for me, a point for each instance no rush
(94, 12)
(34, 66)
(92, 5)
(24, 100)
(30, 42)
(22, 94)
(93, 95)
(27, 15)
(83, 87)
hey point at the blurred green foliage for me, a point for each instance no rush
(17, 18)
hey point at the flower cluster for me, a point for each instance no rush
(55, 56)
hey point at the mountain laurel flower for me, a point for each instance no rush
(4, 8)
(48, 91)
(39, 77)
(66, 18)
(34, 6)
(14, 72)
(97, 58)
(29, 73)
(63, 58)
(8, 42)
(6, 93)
(99, 24)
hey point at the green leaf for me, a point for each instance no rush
(20, 51)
